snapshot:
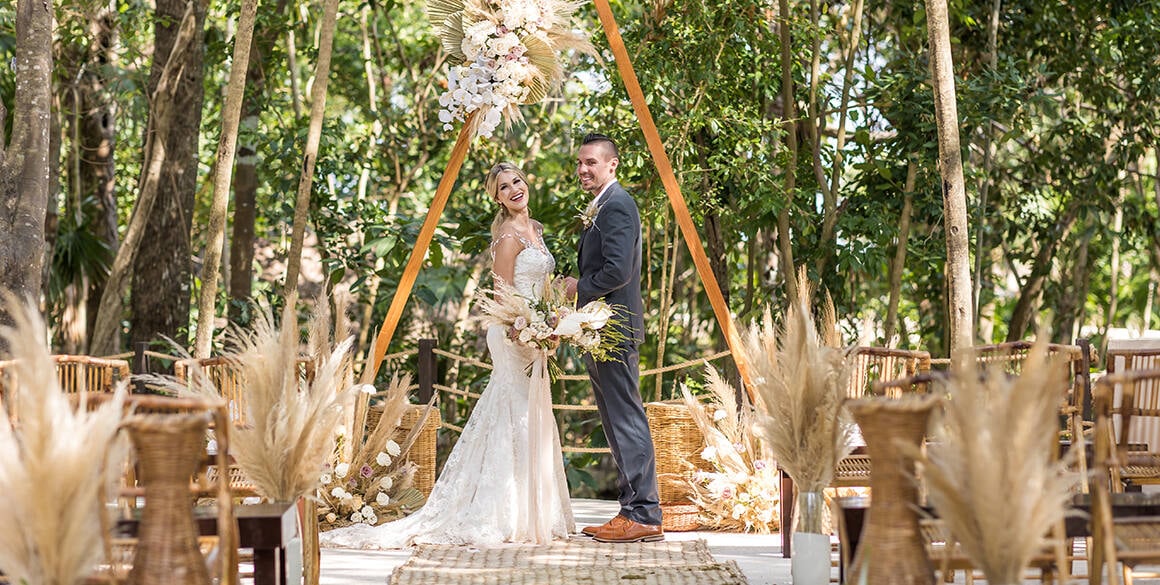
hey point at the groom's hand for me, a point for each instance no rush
(570, 287)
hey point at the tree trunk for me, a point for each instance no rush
(1114, 285)
(899, 262)
(830, 196)
(98, 145)
(1029, 294)
(951, 168)
(164, 117)
(988, 163)
(24, 172)
(789, 116)
(162, 271)
(1069, 315)
(310, 154)
(224, 167)
(241, 267)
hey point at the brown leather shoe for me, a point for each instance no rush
(592, 530)
(630, 531)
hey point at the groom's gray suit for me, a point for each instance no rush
(609, 261)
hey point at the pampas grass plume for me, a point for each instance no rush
(800, 379)
(58, 462)
(990, 469)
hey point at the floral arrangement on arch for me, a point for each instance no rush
(553, 320)
(502, 53)
(369, 482)
(742, 491)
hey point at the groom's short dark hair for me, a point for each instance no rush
(594, 137)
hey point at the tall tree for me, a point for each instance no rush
(24, 172)
(310, 154)
(958, 264)
(162, 272)
(224, 168)
(164, 112)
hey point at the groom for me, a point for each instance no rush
(609, 260)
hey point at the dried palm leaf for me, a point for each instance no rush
(991, 469)
(57, 464)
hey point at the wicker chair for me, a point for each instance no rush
(223, 562)
(77, 374)
(874, 369)
(228, 381)
(1130, 541)
(871, 366)
(1011, 355)
(1134, 398)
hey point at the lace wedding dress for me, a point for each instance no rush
(497, 486)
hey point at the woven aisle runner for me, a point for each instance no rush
(577, 561)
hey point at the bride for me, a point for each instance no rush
(484, 496)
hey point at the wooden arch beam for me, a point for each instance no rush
(673, 190)
(668, 179)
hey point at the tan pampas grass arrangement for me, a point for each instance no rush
(742, 492)
(59, 463)
(990, 469)
(293, 416)
(375, 484)
(799, 381)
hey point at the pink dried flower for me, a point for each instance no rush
(366, 471)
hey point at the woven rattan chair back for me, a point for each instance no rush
(81, 373)
(1133, 540)
(1134, 403)
(871, 365)
(119, 549)
(224, 374)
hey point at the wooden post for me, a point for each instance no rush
(673, 189)
(140, 365)
(426, 233)
(427, 370)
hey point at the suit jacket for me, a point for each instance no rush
(609, 259)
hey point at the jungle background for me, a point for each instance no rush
(1058, 116)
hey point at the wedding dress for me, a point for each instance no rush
(497, 485)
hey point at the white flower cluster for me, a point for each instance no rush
(496, 74)
(563, 324)
(348, 490)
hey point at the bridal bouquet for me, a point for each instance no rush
(553, 320)
(502, 54)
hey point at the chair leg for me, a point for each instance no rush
(1127, 574)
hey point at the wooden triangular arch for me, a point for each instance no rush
(668, 179)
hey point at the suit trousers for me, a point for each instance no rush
(616, 385)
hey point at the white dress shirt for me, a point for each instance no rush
(596, 200)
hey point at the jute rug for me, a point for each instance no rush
(579, 561)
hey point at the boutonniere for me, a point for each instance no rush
(588, 216)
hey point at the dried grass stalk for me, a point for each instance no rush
(742, 492)
(991, 469)
(293, 418)
(58, 464)
(799, 379)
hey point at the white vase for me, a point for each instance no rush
(810, 563)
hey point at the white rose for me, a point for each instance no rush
(383, 459)
(393, 448)
(372, 519)
(325, 478)
(337, 492)
(356, 517)
(525, 334)
(331, 517)
(738, 511)
(367, 511)
(387, 483)
(709, 454)
(382, 499)
(341, 470)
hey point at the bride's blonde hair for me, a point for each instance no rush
(491, 185)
